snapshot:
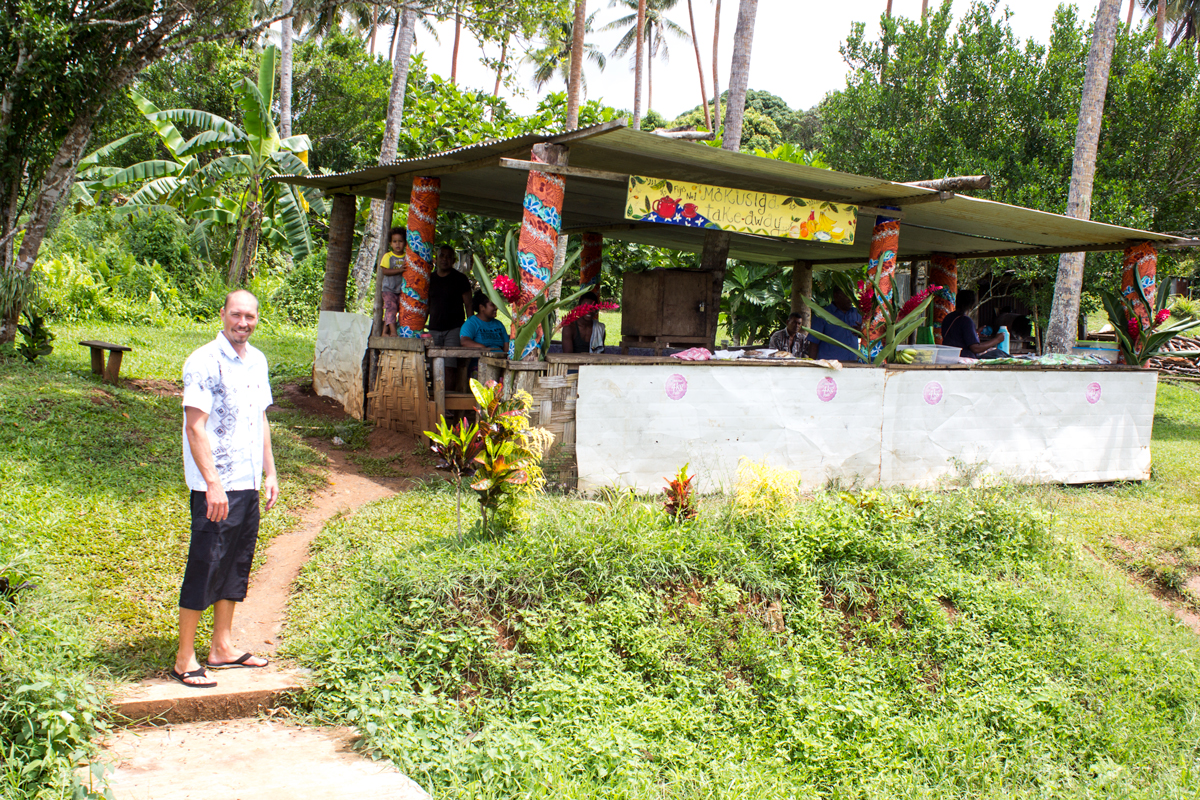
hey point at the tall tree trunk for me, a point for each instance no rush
(454, 53)
(1129, 19)
(699, 69)
(649, 72)
(374, 27)
(924, 8)
(500, 69)
(285, 73)
(1064, 313)
(717, 118)
(364, 263)
(739, 78)
(1160, 23)
(887, 15)
(577, 44)
(637, 68)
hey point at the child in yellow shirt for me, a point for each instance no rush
(391, 268)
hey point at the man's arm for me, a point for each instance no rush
(568, 338)
(197, 436)
(986, 344)
(271, 480)
(467, 302)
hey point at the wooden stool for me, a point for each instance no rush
(116, 351)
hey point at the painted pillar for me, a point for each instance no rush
(885, 241)
(943, 271)
(418, 258)
(540, 226)
(1141, 265)
(592, 260)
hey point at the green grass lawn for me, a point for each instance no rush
(1152, 528)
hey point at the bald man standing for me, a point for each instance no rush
(226, 449)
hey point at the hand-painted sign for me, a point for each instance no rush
(696, 205)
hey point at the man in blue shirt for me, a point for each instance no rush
(842, 307)
(958, 330)
(483, 331)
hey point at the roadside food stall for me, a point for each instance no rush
(628, 420)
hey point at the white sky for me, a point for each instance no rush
(795, 49)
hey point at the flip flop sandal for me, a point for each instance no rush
(196, 673)
(240, 661)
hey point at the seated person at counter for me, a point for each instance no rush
(958, 330)
(843, 308)
(789, 338)
(483, 331)
(586, 334)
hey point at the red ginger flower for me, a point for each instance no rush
(1134, 326)
(583, 309)
(915, 301)
(507, 287)
(1161, 317)
(866, 298)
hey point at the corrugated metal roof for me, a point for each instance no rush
(474, 182)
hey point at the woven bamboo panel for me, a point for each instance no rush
(401, 399)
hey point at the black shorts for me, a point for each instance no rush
(220, 555)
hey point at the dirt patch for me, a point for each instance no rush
(948, 608)
(101, 398)
(155, 386)
(301, 397)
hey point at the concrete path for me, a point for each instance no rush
(247, 759)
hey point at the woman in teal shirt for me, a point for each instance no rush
(483, 331)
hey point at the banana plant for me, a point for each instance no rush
(506, 292)
(231, 189)
(1139, 342)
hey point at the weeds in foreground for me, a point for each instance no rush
(855, 645)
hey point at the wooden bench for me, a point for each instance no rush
(451, 400)
(110, 371)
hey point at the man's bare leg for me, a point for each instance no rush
(185, 658)
(223, 650)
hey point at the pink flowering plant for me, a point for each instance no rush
(1139, 341)
(899, 322)
(585, 309)
(516, 303)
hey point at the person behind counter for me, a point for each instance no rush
(586, 334)
(449, 299)
(789, 338)
(843, 308)
(483, 331)
(958, 330)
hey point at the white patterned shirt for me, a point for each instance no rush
(234, 392)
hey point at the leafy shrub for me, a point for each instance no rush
(299, 296)
(159, 235)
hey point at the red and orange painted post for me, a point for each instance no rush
(418, 260)
(592, 260)
(885, 242)
(540, 226)
(943, 272)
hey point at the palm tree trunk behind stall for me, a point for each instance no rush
(500, 69)
(716, 69)
(285, 73)
(699, 69)
(739, 78)
(1064, 313)
(577, 44)
(1129, 19)
(637, 69)
(1160, 22)
(364, 264)
(454, 53)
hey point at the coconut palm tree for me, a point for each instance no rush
(655, 29)
(699, 68)
(574, 90)
(554, 56)
(1064, 312)
(739, 77)
(1183, 17)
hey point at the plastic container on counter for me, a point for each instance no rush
(932, 353)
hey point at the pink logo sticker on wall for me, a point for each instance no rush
(676, 386)
(1092, 393)
(932, 393)
(826, 389)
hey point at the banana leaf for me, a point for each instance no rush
(155, 192)
(171, 138)
(195, 118)
(143, 171)
(294, 222)
(93, 158)
(206, 140)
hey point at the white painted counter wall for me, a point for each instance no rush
(636, 424)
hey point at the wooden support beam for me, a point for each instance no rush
(913, 200)
(1112, 247)
(955, 183)
(890, 213)
(578, 172)
(714, 259)
(802, 275)
(389, 204)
